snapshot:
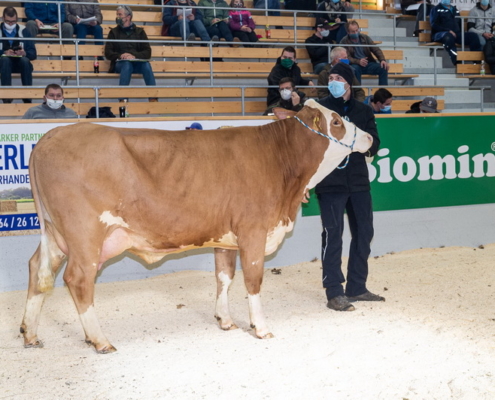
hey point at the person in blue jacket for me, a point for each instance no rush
(380, 102)
(41, 14)
(446, 28)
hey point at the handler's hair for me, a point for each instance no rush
(53, 86)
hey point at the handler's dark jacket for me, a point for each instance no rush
(277, 73)
(354, 177)
(113, 50)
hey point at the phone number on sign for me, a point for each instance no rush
(19, 222)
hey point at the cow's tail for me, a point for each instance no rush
(45, 274)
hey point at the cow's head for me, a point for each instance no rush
(348, 137)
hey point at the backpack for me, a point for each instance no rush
(105, 112)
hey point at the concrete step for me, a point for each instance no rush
(442, 80)
(462, 97)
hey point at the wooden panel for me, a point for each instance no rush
(185, 92)
(469, 68)
(470, 56)
(415, 91)
(424, 25)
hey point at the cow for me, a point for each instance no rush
(101, 190)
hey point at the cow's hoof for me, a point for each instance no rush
(269, 335)
(106, 350)
(229, 327)
(37, 344)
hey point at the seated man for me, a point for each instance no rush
(289, 97)
(336, 17)
(489, 52)
(270, 5)
(173, 21)
(41, 14)
(446, 28)
(15, 54)
(364, 58)
(129, 57)
(76, 12)
(338, 54)
(285, 67)
(52, 106)
(319, 54)
(216, 20)
(380, 102)
(477, 22)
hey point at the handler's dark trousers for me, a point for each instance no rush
(360, 215)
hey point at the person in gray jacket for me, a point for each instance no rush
(477, 22)
(52, 107)
(76, 13)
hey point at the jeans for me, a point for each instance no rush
(471, 39)
(127, 68)
(222, 30)
(195, 26)
(373, 68)
(22, 65)
(319, 67)
(360, 215)
(264, 4)
(82, 30)
(67, 29)
(338, 34)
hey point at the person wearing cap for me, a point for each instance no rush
(285, 67)
(195, 126)
(290, 98)
(321, 41)
(347, 189)
(126, 56)
(338, 54)
(427, 105)
(365, 59)
(336, 17)
(380, 102)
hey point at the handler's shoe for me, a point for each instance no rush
(366, 296)
(340, 303)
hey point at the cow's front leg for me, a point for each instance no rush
(253, 261)
(224, 271)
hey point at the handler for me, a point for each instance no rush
(347, 188)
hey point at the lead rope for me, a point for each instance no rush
(333, 139)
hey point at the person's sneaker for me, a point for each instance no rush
(366, 296)
(236, 39)
(28, 101)
(215, 38)
(340, 303)
(153, 99)
(191, 37)
(7, 101)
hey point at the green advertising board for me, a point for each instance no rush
(431, 162)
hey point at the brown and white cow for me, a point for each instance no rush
(101, 190)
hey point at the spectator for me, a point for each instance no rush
(446, 28)
(195, 126)
(76, 12)
(173, 23)
(489, 52)
(216, 20)
(268, 4)
(52, 106)
(15, 54)
(380, 102)
(285, 67)
(41, 14)
(289, 97)
(427, 105)
(477, 24)
(422, 14)
(241, 23)
(128, 57)
(361, 57)
(319, 54)
(336, 17)
(338, 54)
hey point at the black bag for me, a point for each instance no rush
(105, 112)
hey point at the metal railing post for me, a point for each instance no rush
(243, 101)
(97, 101)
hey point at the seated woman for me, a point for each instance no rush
(77, 13)
(216, 20)
(241, 23)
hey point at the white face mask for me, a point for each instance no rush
(325, 33)
(9, 28)
(285, 94)
(54, 104)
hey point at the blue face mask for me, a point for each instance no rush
(355, 36)
(386, 109)
(446, 2)
(337, 89)
(335, 1)
(344, 60)
(485, 2)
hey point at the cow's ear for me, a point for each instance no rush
(282, 113)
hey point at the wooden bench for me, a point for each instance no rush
(424, 36)
(472, 71)
(405, 96)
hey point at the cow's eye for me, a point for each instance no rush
(336, 122)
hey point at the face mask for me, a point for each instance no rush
(485, 2)
(325, 33)
(286, 94)
(335, 1)
(9, 28)
(355, 36)
(119, 21)
(54, 104)
(345, 61)
(337, 89)
(237, 5)
(287, 63)
(386, 108)
(446, 2)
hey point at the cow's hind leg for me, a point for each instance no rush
(252, 250)
(79, 276)
(224, 270)
(43, 266)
